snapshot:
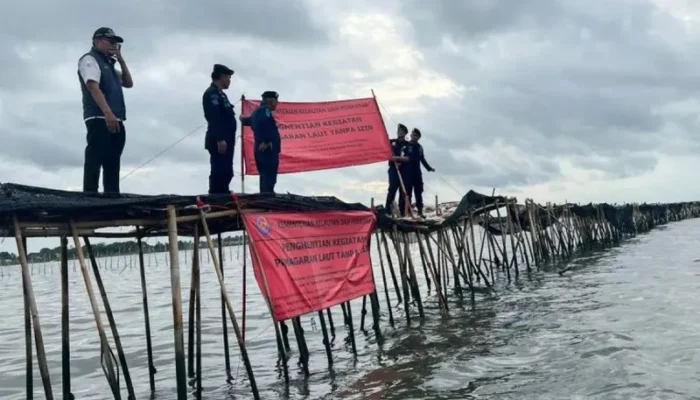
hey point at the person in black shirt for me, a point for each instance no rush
(414, 173)
(221, 130)
(398, 147)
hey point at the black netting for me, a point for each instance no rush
(472, 203)
(34, 204)
(41, 205)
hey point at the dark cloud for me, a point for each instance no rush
(478, 20)
(163, 107)
(541, 82)
(621, 166)
(559, 77)
(70, 20)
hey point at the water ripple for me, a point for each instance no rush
(619, 325)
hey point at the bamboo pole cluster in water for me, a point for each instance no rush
(501, 238)
(454, 255)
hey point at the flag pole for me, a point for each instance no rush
(396, 164)
(245, 233)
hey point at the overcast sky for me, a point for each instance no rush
(547, 99)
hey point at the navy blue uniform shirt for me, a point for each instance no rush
(265, 130)
(398, 148)
(220, 116)
(416, 157)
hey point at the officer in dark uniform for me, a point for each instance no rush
(414, 174)
(268, 143)
(221, 130)
(398, 147)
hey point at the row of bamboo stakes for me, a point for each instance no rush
(455, 259)
(121, 261)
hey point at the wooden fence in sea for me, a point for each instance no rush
(459, 252)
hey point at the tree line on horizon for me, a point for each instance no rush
(110, 249)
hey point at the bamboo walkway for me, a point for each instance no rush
(459, 252)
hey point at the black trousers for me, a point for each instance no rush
(415, 189)
(102, 153)
(221, 170)
(394, 188)
(268, 166)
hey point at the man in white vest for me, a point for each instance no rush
(104, 111)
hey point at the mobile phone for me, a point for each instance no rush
(119, 47)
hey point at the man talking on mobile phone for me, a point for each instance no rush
(104, 110)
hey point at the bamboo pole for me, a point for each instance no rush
(386, 287)
(191, 314)
(105, 350)
(442, 300)
(363, 313)
(412, 274)
(301, 343)
(330, 323)
(391, 270)
(117, 223)
(180, 372)
(282, 344)
(198, 308)
(229, 306)
(504, 256)
(65, 322)
(455, 267)
(326, 341)
(147, 319)
(351, 329)
(27, 331)
(402, 272)
(461, 265)
(509, 225)
(224, 324)
(110, 318)
(38, 337)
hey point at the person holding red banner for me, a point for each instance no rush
(268, 143)
(398, 160)
(414, 181)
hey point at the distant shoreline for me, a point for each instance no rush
(8, 259)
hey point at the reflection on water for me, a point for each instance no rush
(621, 324)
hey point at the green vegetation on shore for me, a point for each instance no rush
(108, 249)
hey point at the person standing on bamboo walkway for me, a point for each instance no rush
(104, 109)
(396, 167)
(416, 158)
(221, 130)
(268, 143)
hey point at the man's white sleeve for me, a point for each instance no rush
(89, 69)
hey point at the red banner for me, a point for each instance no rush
(311, 261)
(317, 136)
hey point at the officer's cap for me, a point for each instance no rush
(107, 33)
(220, 69)
(270, 94)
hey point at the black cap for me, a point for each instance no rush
(270, 94)
(107, 33)
(220, 69)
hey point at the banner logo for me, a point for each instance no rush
(263, 226)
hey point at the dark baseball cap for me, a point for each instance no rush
(270, 94)
(221, 69)
(107, 33)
